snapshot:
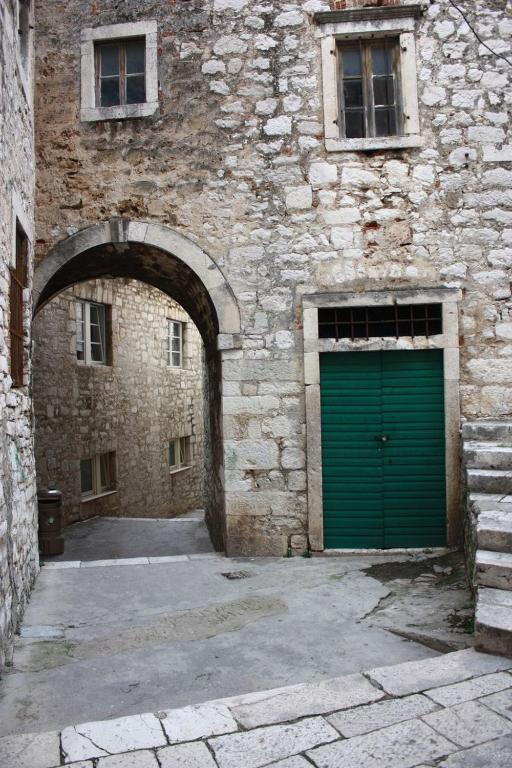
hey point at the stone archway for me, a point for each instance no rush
(165, 259)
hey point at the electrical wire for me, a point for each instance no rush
(498, 55)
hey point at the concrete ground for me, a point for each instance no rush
(105, 641)
(102, 538)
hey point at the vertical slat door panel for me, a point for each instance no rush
(383, 494)
(414, 491)
(351, 403)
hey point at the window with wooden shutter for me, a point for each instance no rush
(16, 309)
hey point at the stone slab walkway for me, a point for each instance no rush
(452, 711)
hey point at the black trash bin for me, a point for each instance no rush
(51, 540)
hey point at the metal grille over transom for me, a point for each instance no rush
(377, 322)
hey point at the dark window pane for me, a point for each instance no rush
(381, 60)
(135, 56)
(110, 92)
(109, 60)
(135, 89)
(86, 475)
(354, 125)
(351, 58)
(353, 93)
(385, 122)
(383, 91)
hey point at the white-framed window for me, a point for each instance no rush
(91, 332)
(179, 453)
(175, 335)
(97, 475)
(119, 71)
(369, 83)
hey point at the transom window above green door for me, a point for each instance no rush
(396, 320)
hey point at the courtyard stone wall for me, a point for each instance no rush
(235, 159)
(18, 513)
(133, 406)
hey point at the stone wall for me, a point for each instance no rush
(133, 406)
(236, 160)
(18, 515)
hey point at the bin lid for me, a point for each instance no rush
(48, 494)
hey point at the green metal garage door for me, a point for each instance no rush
(383, 449)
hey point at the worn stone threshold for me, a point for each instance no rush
(64, 564)
(451, 711)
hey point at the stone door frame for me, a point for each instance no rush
(448, 341)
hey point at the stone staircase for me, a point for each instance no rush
(487, 450)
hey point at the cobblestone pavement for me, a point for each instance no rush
(452, 711)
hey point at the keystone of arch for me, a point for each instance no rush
(161, 237)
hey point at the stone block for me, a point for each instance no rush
(494, 754)
(300, 198)
(399, 746)
(500, 702)
(197, 722)
(138, 759)
(308, 699)
(450, 695)
(417, 676)
(322, 173)
(186, 756)
(30, 750)
(468, 724)
(254, 749)
(99, 739)
(494, 569)
(355, 722)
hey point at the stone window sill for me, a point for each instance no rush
(373, 144)
(85, 499)
(120, 112)
(180, 469)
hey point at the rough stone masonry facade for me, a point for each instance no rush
(18, 516)
(133, 406)
(235, 159)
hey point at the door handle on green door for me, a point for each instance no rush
(382, 438)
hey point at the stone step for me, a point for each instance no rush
(491, 430)
(493, 621)
(494, 531)
(494, 569)
(490, 481)
(487, 455)
(488, 502)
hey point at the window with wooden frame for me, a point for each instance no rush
(370, 88)
(369, 78)
(92, 337)
(179, 453)
(18, 282)
(97, 475)
(175, 336)
(120, 72)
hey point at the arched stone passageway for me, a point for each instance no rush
(156, 255)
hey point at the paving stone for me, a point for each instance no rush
(500, 702)
(468, 724)
(253, 749)
(292, 762)
(354, 722)
(198, 722)
(449, 695)
(399, 746)
(186, 756)
(30, 750)
(416, 676)
(168, 559)
(494, 754)
(99, 739)
(308, 699)
(143, 759)
(60, 565)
